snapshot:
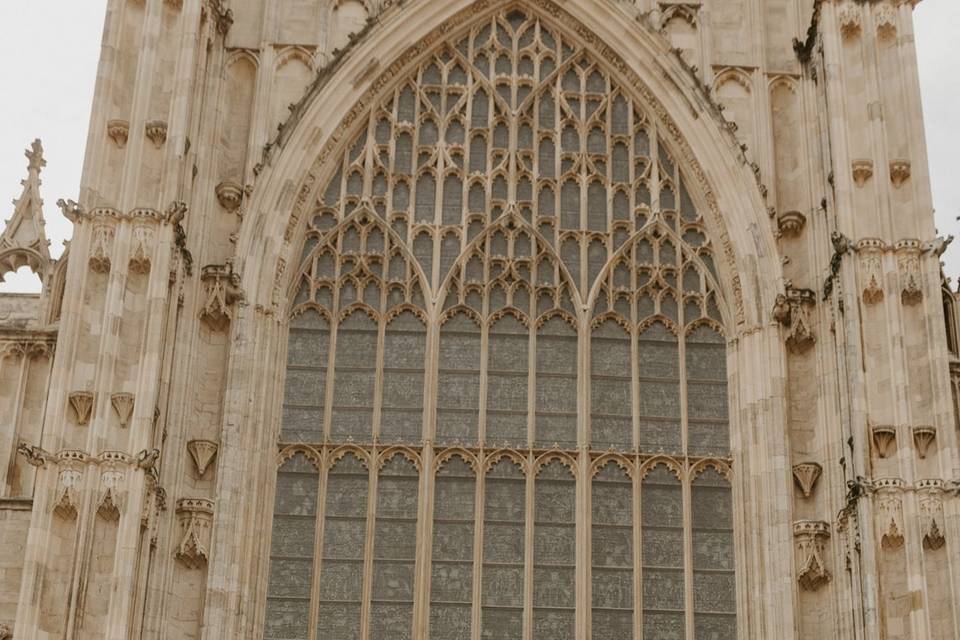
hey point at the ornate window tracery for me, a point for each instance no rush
(507, 363)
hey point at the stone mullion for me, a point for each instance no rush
(424, 547)
(319, 531)
(478, 516)
(637, 483)
(654, 182)
(583, 555)
(688, 549)
(532, 367)
(367, 587)
(16, 416)
(334, 319)
(484, 348)
(377, 412)
(529, 512)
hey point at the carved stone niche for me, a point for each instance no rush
(142, 249)
(849, 18)
(811, 538)
(221, 290)
(101, 247)
(890, 512)
(202, 452)
(82, 403)
(791, 223)
(930, 494)
(118, 131)
(123, 405)
(806, 475)
(870, 252)
(792, 310)
(68, 494)
(195, 516)
(908, 267)
(112, 495)
(884, 439)
(156, 130)
(229, 195)
(886, 22)
(862, 171)
(899, 172)
(923, 437)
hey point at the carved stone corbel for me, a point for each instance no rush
(202, 452)
(123, 405)
(923, 437)
(229, 195)
(870, 251)
(82, 403)
(118, 131)
(811, 538)
(884, 439)
(792, 310)
(156, 130)
(862, 171)
(806, 475)
(899, 172)
(908, 266)
(221, 290)
(890, 512)
(791, 223)
(195, 516)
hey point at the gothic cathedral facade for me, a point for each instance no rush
(487, 320)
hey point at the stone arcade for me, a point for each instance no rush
(461, 320)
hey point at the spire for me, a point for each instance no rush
(23, 241)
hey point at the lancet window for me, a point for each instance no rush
(505, 408)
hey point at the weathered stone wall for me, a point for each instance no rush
(150, 430)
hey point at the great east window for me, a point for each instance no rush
(505, 411)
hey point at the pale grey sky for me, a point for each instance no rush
(49, 53)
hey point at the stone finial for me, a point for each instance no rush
(119, 132)
(884, 439)
(82, 403)
(195, 516)
(156, 130)
(806, 475)
(791, 223)
(899, 172)
(862, 171)
(24, 241)
(202, 452)
(811, 538)
(923, 437)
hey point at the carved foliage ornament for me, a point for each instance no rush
(195, 516)
(811, 537)
(870, 251)
(156, 130)
(112, 496)
(66, 499)
(791, 223)
(890, 512)
(886, 21)
(849, 18)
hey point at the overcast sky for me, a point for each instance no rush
(48, 59)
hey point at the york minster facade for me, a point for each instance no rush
(487, 320)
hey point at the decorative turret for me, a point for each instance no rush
(23, 242)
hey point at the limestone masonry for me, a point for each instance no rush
(491, 320)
